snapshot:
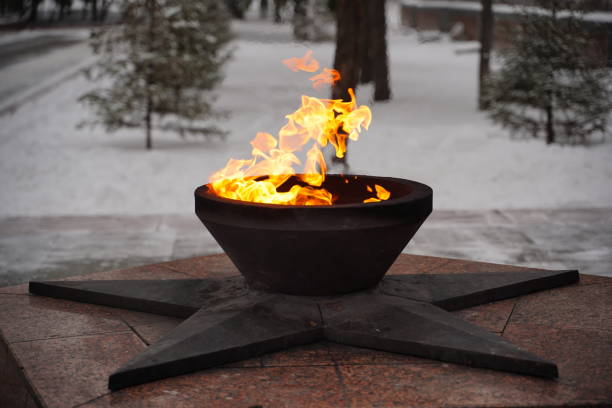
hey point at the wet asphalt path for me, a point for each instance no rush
(21, 50)
(28, 64)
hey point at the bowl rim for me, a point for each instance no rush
(419, 191)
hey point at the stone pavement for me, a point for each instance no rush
(55, 247)
(57, 353)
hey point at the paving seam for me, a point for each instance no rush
(146, 343)
(509, 317)
(92, 400)
(126, 331)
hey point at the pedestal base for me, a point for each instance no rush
(225, 321)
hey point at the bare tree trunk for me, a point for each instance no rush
(378, 49)
(300, 20)
(94, 10)
(263, 9)
(33, 17)
(106, 4)
(278, 5)
(84, 11)
(148, 124)
(550, 130)
(366, 63)
(550, 120)
(350, 18)
(348, 50)
(486, 40)
(149, 81)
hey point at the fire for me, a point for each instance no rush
(317, 123)
(306, 63)
(327, 77)
(381, 194)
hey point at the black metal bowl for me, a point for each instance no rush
(318, 250)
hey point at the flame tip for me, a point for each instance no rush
(322, 121)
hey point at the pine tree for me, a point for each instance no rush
(550, 82)
(162, 62)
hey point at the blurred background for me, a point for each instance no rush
(113, 111)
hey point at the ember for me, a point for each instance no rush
(318, 122)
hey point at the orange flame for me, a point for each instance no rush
(306, 63)
(317, 121)
(327, 77)
(381, 194)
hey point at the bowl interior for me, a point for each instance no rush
(349, 189)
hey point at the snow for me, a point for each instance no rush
(430, 132)
(457, 5)
(510, 9)
(598, 16)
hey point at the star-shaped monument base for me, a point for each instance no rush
(226, 321)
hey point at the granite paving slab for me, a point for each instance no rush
(44, 367)
(68, 371)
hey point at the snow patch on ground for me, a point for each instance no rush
(430, 131)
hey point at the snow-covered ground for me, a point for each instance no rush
(430, 131)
